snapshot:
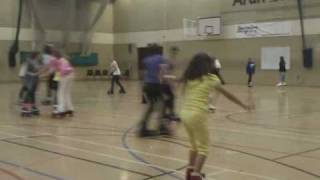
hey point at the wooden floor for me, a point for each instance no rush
(279, 141)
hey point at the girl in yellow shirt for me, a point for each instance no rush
(199, 79)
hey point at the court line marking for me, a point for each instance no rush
(31, 170)
(279, 132)
(217, 173)
(296, 154)
(179, 160)
(305, 139)
(12, 174)
(233, 120)
(270, 135)
(256, 156)
(98, 154)
(77, 158)
(140, 159)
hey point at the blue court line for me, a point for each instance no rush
(31, 170)
(140, 159)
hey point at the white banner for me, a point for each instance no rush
(263, 30)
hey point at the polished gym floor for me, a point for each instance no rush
(280, 140)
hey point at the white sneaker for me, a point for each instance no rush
(279, 84)
(212, 108)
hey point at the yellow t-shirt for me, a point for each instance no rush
(197, 93)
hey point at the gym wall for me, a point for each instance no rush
(102, 39)
(156, 21)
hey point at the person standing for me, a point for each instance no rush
(152, 91)
(167, 92)
(115, 73)
(52, 86)
(282, 70)
(31, 81)
(251, 68)
(65, 73)
(23, 89)
(214, 96)
(198, 82)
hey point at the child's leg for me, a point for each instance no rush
(113, 80)
(117, 79)
(201, 136)
(187, 121)
(149, 92)
(199, 162)
(61, 95)
(170, 100)
(192, 158)
(69, 105)
(23, 91)
(50, 82)
(54, 89)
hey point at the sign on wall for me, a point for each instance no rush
(253, 2)
(245, 5)
(269, 29)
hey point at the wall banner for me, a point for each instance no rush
(269, 29)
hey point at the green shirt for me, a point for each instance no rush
(197, 93)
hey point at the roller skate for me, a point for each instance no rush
(122, 91)
(196, 176)
(35, 111)
(212, 108)
(69, 113)
(25, 111)
(56, 113)
(190, 171)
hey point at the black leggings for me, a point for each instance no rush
(116, 79)
(153, 93)
(168, 97)
(249, 79)
(32, 86)
(23, 92)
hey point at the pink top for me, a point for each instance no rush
(62, 66)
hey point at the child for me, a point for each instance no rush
(251, 68)
(213, 96)
(52, 85)
(167, 93)
(198, 82)
(23, 90)
(152, 91)
(282, 70)
(31, 79)
(64, 74)
(116, 73)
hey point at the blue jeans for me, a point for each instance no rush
(282, 77)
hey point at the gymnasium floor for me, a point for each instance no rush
(279, 141)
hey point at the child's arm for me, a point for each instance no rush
(232, 98)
